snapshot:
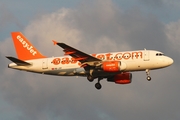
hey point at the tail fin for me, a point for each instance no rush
(24, 49)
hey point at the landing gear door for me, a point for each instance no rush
(45, 64)
(146, 55)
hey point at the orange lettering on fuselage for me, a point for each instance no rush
(102, 57)
(56, 61)
(126, 55)
(65, 60)
(94, 55)
(120, 56)
(73, 61)
(137, 54)
(106, 56)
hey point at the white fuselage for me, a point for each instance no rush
(67, 66)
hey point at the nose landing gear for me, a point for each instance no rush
(148, 75)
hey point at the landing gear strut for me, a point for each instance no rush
(148, 75)
(98, 84)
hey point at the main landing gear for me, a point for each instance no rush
(90, 78)
(148, 75)
(98, 84)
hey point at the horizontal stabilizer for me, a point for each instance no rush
(18, 61)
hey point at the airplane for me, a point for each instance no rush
(114, 67)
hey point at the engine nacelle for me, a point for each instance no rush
(111, 66)
(123, 78)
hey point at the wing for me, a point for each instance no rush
(78, 55)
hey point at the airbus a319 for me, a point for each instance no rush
(114, 67)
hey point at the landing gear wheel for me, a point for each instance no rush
(90, 78)
(148, 75)
(98, 86)
(148, 78)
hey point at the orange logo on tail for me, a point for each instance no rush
(24, 49)
(26, 45)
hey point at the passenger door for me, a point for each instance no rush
(146, 55)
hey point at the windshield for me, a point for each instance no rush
(159, 54)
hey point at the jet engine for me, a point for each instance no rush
(123, 78)
(113, 66)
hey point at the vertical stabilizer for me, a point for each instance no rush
(24, 49)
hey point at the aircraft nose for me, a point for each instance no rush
(170, 61)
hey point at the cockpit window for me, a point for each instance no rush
(159, 54)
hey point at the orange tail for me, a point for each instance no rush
(24, 49)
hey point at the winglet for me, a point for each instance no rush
(55, 42)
